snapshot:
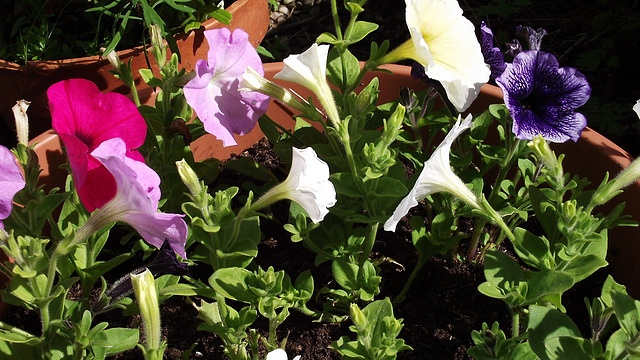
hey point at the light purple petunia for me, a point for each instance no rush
(542, 97)
(492, 54)
(11, 181)
(136, 200)
(213, 92)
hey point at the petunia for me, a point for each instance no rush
(307, 184)
(136, 200)
(214, 91)
(309, 69)
(492, 54)
(83, 117)
(279, 354)
(542, 97)
(444, 42)
(11, 181)
(534, 37)
(436, 176)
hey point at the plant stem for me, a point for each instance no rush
(372, 230)
(422, 260)
(515, 325)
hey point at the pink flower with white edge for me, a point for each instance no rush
(11, 181)
(213, 92)
(84, 117)
(136, 199)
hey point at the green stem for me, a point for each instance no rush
(372, 230)
(422, 260)
(515, 325)
(273, 326)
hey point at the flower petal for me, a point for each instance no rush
(436, 176)
(136, 201)
(11, 181)
(445, 44)
(542, 97)
(214, 92)
(83, 117)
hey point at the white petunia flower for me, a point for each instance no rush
(308, 185)
(444, 42)
(436, 176)
(309, 69)
(279, 354)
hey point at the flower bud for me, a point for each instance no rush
(541, 149)
(22, 121)
(145, 291)
(253, 81)
(189, 177)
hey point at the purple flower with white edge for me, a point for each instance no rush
(11, 181)
(437, 176)
(542, 97)
(136, 200)
(492, 54)
(213, 92)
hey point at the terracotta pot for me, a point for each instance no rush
(32, 80)
(591, 156)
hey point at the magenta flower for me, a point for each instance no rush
(11, 181)
(136, 199)
(213, 92)
(542, 97)
(83, 117)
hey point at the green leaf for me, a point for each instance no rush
(360, 30)
(345, 184)
(546, 324)
(342, 72)
(547, 282)
(627, 310)
(232, 284)
(346, 274)
(532, 249)
(327, 38)
(119, 340)
(389, 187)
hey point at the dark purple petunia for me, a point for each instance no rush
(542, 97)
(492, 54)
(534, 37)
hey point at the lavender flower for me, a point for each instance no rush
(11, 181)
(542, 98)
(136, 200)
(213, 92)
(492, 54)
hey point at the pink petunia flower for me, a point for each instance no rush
(11, 181)
(83, 117)
(136, 199)
(213, 92)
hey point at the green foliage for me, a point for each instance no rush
(377, 331)
(44, 30)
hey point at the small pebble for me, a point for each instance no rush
(283, 10)
(287, 2)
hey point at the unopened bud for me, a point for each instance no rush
(22, 121)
